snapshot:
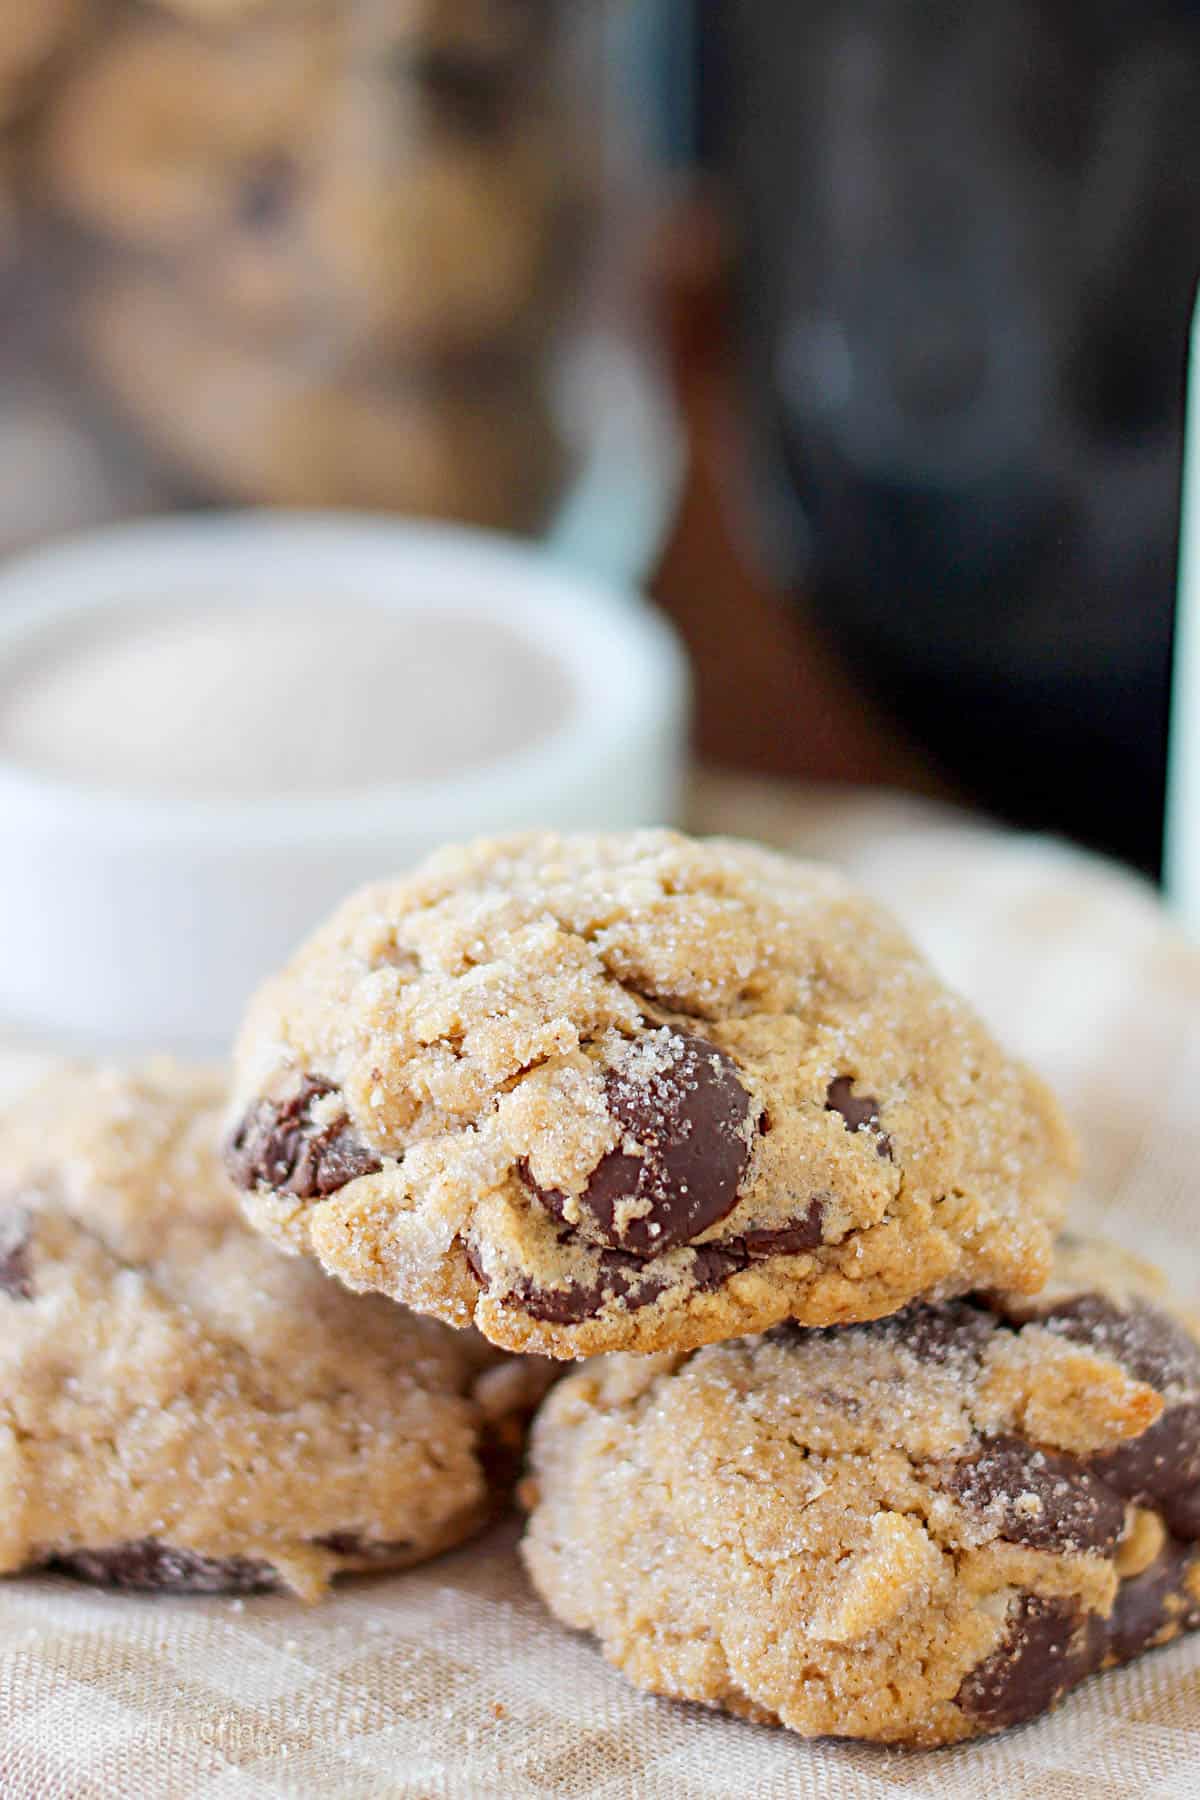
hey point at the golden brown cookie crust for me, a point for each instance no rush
(913, 1531)
(180, 1405)
(637, 1092)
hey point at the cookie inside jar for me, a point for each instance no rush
(375, 214)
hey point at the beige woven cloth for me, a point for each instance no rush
(451, 1680)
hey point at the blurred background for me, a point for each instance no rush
(854, 331)
(948, 255)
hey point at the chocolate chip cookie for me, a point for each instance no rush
(183, 1408)
(637, 1092)
(915, 1531)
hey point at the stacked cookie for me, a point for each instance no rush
(865, 1455)
(860, 1448)
(316, 255)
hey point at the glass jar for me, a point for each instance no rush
(971, 236)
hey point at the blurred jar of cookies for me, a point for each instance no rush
(298, 253)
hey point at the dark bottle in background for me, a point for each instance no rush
(970, 238)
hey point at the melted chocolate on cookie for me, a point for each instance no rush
(1046, 1649)
(1054, 1502)
(684, 1150)
(1038, 1498)
(279, 1145)
(155, 1567)
(860, 1112)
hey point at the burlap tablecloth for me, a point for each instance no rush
(451, 1680)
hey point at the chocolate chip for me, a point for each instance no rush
(1050, 1645)
(1046, 1649)
(616, 1277)
(625, 1277)
(859, 1111)
(338, 1158)
(1038, 1498)
(782, 1240)
(714, 1264)
(685, 1112)
(279, 1145)
(1146, 1341)
(151, 1565)
(16, 1260)
(1161, 1468)
(1154, 1606)
(856, 1110)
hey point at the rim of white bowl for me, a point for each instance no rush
(624, 661)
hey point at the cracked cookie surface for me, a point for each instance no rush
(181, 1407)
(914, 1531)
(637, 1092)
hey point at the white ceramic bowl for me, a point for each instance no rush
(129, 919)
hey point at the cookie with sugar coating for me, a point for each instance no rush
(637, 1092)
(914, 1531)
(183, 1408)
